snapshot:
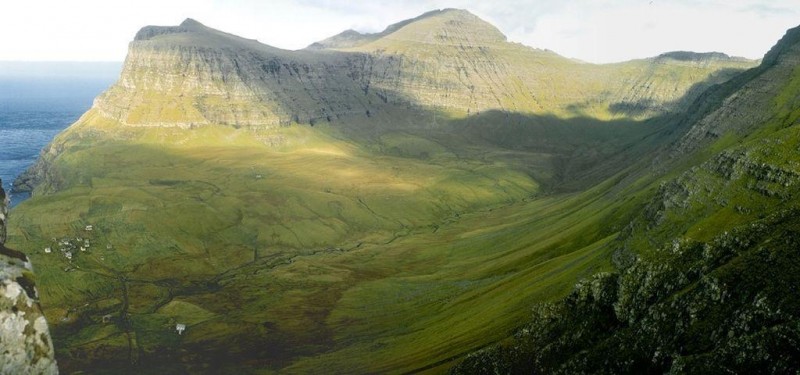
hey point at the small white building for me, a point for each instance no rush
(48, 250)
(180, 327)
(89, 228)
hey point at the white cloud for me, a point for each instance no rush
(592, 30)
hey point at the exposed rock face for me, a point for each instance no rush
(448, 60)
(25, 344)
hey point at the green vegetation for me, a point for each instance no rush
(706, 272)
(406, 199)
(399, 242)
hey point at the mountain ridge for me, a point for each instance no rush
(182, 74)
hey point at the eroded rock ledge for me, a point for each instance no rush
(25, 343)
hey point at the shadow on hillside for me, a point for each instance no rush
(562, 154)
(642, 107)
(582, 151)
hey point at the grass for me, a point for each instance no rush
(314, 253)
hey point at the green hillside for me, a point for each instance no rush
(393, 202)
(706, 272)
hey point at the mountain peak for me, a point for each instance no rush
(447, 26)
(194, 34)
(787, 47)
(442, 26)
(150, 32)
(191, 22)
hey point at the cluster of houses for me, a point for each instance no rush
(70, 247)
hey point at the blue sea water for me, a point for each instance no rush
(26, 126)
(32, 112)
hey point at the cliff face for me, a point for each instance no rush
(192, 75)
(25, 344)
(449, 60)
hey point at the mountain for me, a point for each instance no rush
(393, 202)
(25, 341)
(447, 60)
(707, 269)
(428, 70)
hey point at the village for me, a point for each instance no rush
(72, 248)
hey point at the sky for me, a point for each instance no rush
(599, 31)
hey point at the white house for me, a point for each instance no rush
(180, 327)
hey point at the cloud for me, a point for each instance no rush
(765, 10)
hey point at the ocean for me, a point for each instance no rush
(33, 110)
(26, 126)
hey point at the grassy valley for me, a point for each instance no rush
(394, 202)
(240, 242)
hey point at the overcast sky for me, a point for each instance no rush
(591, 30)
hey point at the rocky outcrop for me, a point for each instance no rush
(40, 173)
(25, 343)
(700, 307)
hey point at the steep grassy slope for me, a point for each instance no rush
(707, 270)
(450, 181)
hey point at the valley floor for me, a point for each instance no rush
(315, 254)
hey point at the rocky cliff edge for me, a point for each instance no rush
(25, 343)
